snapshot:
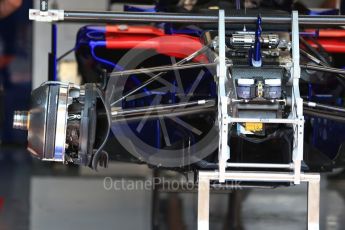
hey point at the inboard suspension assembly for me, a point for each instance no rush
(226, 99)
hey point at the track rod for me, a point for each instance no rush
(155, 112)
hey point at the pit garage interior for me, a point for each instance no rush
(39, 195)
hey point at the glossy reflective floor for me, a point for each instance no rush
(38, 196)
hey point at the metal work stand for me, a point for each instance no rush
(205, 177)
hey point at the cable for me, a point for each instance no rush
(318, 61)
(318, 44)
(314, 51)
(326, 69)
(322, 60)
(97, 155)
(66, 54)
(311, 57)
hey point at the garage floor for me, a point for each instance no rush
(40, 196)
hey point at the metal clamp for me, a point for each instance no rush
(46, 16)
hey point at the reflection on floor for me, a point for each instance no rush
(38, 196)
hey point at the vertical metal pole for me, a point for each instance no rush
(314, 205)
(203, 203)
(224, 150)
(297, 102)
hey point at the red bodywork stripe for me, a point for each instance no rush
(331, 45)
(147, 37)
(332, 40)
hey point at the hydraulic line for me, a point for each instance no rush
(96, 159)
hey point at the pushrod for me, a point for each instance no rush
(159, 75)
(160, 69)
